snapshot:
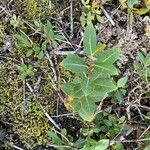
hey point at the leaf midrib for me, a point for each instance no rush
(68, 64)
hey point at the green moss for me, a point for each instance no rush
(31, 124)
(31, 8)
(35, 8)
(28, 120)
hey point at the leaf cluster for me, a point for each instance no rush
(142, 66)
(24, 71)
(37, 49)
(143, 7)
(48, 37)
(90, 11)
(94, 73)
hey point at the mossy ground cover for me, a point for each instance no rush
(125, 116)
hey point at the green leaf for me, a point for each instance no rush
(44, 45)
(68, 88)
(74, 64)
(30, 67)
(79, 143)
(22, 41)
(141, 11)
(105, 68)
(29, 71)
(20, 68)
(131, 3)
(22, 76)
(37, 23)
(82, 20)
(85, 107)
(54, 138)
(147, 60)
(29, 52)
(99, 95)
(110, 55)
(99, 48)
(64, 132)
(121, 82)
(36, 48)
(15, 21)
(24, 66)
(59, 37)
(54, 44)
(141, 57)
(90, 17)
(147, 148)
(40, 55)
(86, 86)
(102, 144)
(89, 39)
(48, 29)
(86, 148)
(105, 85)
(78, 93)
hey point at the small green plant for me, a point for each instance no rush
(30, 47)
(60, 139)
(92, 136)
(15, 21)
(144, 6)
(94, 73)
(142, 66)
(25, 70)
(93, 82)
(120, 92)
(62, 142)
(34, 48)
(90, 11)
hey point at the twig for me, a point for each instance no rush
(129, 24)
(24, 92)
(67, 52)
(79, 46)
(108, 16)
(130, 141)
(144, 132)
(71, 18)
(57, 146)
(46, 114)
(4, 9)
(63, 136)
(36, 31)
(36, 86)
(10, 58)
(52, 65)
(63, 115)
(26, 36)
(16, 147)
(98, 110)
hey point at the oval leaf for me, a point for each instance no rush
(85, 107)
(121, 82)
(102, 144)
(105, 85)
(105, 68)
(89, 39)
(110, 55)
(74, 64)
